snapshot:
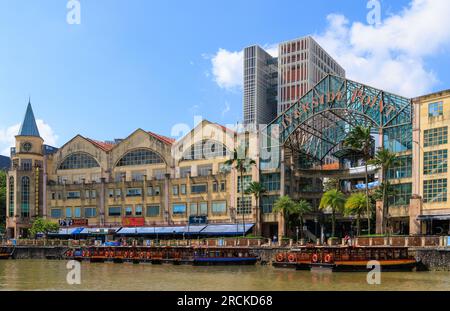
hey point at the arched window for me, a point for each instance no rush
(140, 157)
(206, 149)
(25, 197)
(78, 160)
(11, 197)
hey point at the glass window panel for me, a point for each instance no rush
(140, 157)
(152, 210)
(179, 209)
(435, 162)
(78, 161)
(435, 190)
(115, 211)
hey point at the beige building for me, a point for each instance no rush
(145, 179)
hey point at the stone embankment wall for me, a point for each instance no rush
(26, 252)
(434, 259)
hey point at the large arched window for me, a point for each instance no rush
(140, 157)
(25, 197)
(78, 160)
(11, 197)
(206, 149)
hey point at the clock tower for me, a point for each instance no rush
(25, 179)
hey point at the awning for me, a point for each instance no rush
(433, 217)
(229, 229)
(151, 230)
(209, 230)
(371, 185)
(98, 231)
(67, 231)
(194, 229)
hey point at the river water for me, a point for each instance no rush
(51, 275)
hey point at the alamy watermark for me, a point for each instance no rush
(73, 277)
(374, 275)
(73, 16)
(374, 15)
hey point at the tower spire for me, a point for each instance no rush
(29, 126)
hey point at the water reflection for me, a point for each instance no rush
(51, 275)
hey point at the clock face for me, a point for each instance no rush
(27, 146)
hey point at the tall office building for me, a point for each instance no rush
(272, 84)
(302, 63)
(260, 86)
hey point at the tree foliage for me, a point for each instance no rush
(335, 200)
(43, 226)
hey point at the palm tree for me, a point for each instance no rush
(356, 205)
(285, 206)
(384, 159)
(242, 164)
(301, 208)
(256, 189)
(335, 200)
(359, 138)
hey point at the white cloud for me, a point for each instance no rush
(272, 49)
(7, 136)
(47, 133)
(227, 68)
(391, 56)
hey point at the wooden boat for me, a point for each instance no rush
(6, 253)
(348, 259)
(223, 256)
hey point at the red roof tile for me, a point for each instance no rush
(165, 139)
(102, 145)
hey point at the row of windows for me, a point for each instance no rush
(195, 209)
(76, 212)
(435, 162)
(435, 136)
(207, 149)
(435, 109)
(435, 190)
(78, 161)
(271, 182)
(268, 202)
(402, 194)
(402, 170)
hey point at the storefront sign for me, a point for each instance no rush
(73, 222)
(198, 220)
(133, 221)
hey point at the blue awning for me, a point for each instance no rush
(215, 230)
(194, 229)
(98, 230)
(229, 229)
(371, 185)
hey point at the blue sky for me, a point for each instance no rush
(150, 64)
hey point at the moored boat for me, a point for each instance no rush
(348, 259)
(223, 256)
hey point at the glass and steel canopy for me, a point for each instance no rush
(320, 121)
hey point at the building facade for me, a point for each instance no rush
(260, 86)
(149, 180)
(273, 84)
(302, 63)
(145, 179)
